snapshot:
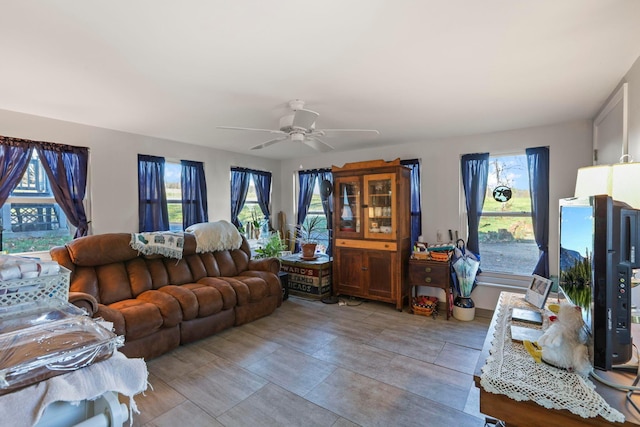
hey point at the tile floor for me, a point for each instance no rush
(315, 364)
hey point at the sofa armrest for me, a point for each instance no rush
(84, 301)
(265, 264)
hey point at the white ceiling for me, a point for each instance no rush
(416, 70)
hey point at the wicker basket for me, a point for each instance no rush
(18, 291)
(424, 306)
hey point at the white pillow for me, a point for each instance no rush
(215, 236)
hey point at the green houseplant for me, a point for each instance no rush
(272, 247)
(308, 235)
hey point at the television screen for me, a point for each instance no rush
(595, 273)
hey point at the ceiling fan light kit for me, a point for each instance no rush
(299, 126)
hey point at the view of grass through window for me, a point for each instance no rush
(507, 243)
(32, 221)
(172, 185)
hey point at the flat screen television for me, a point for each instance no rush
(598, 237)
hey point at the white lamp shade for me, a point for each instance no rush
(625, 183)
(593, 180)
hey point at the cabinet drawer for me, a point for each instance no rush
(366, 244)
(427, 274)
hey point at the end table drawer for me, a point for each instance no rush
(428, 274)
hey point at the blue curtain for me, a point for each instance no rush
(262, 182)
(66, 168)
(475, 172)
(327, 204)
(239, 187)
(416, 210)
(152, 198)
(538, 164)
(306, 180)
(15, 155)
(194, 193)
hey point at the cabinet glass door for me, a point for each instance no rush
(380, 215)
(348, 206)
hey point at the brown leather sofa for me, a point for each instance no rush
(158, 303)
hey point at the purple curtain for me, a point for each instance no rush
(194, 193)
(306, 180)
(15, 155)
(239, 187)
(538, 163)
(66, 168)
(416, 210)
(475, 173)
(262, 182)
(327, 204)
(152, 197)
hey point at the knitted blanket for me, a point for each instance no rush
(167, 243)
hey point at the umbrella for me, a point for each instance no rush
(465, 265)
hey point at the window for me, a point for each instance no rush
(316, 210)
(505, 232)
(172, 185)
(31, 218)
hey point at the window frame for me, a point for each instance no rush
(492, 277)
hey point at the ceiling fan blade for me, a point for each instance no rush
(317, 144)
(304, 118)
(326, 132)
(251, 129)
(268, 143)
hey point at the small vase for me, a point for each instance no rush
(464, 309)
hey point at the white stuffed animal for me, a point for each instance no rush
(563, 343)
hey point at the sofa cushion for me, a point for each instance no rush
(137, 318)
(229, 297)
(109, 248)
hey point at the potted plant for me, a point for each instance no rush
(272, 247)
(308, 234)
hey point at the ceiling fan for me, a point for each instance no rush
(299, 126)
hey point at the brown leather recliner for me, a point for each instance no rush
(158, 303)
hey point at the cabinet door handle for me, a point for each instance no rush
(427, 279)
(427, 270)
(364, 268)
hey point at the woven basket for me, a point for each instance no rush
(425, 308)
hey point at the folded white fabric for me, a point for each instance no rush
(15, 267)
(215, 236)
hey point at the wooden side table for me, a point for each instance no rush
(436, 274)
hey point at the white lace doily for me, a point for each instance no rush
(511, 371)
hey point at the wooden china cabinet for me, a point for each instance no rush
(372, 230)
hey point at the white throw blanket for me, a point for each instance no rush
(215, 236)
(167, 243)
(117, 373)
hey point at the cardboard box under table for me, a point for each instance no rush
(308, 278)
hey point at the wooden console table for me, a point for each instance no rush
(431, 273)
(529, 414)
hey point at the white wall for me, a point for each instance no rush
(114, 167)
(570, 147)
(633, 78)
(113, 157)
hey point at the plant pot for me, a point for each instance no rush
(464, 309)
(308, 250)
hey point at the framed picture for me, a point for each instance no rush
(538, 291)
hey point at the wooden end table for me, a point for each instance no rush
(431, 273)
